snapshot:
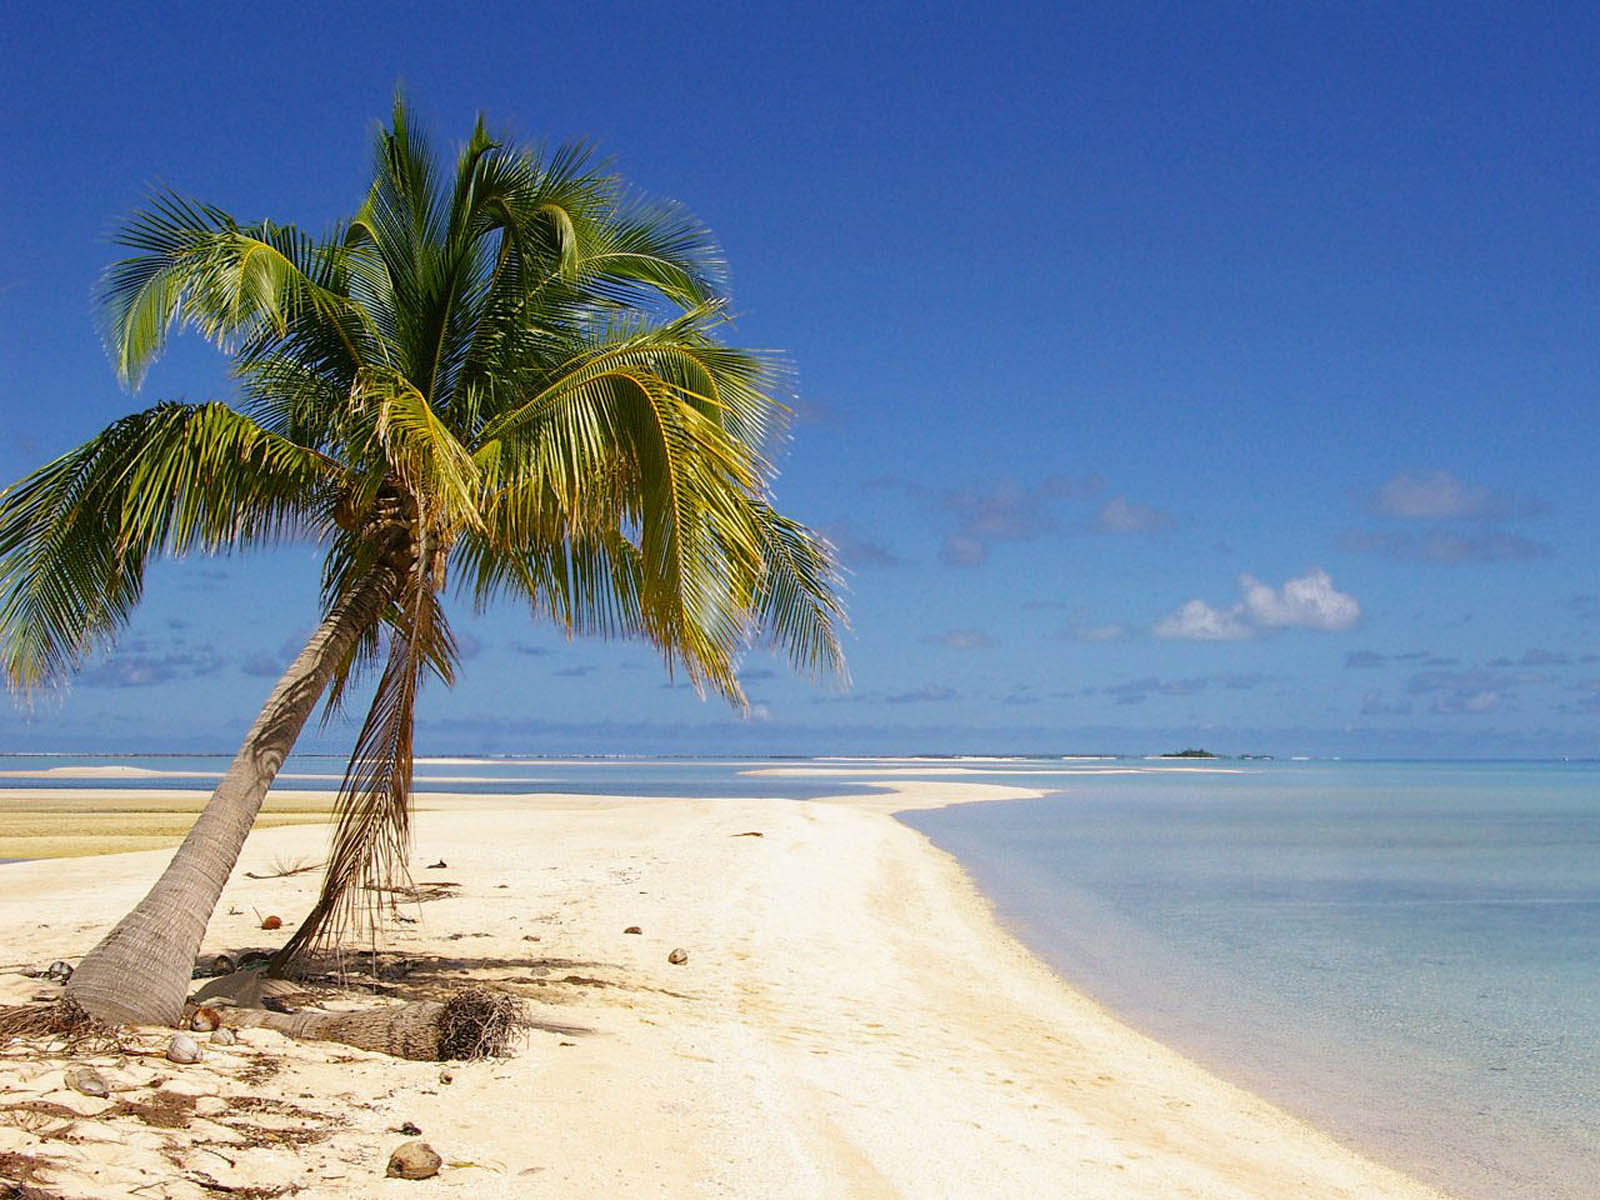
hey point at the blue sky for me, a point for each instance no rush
(1216, 374)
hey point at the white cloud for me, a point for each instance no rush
(1197, 621)
(1308, 601)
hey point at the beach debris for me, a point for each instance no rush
(204, 1020)
(475, 1023)
(183, 1049)
(282, 869)
(63, 1019)
(751, 833)
(207, 968)
(87, 1081)
(224, 1036)
(414, 1160)
(272, 923)
(410, 1129)
(446, 1077)
(249, 987)
(438, 866)
(57, 972)
(633, 929)
(678, 957)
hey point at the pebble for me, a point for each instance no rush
(633, 929)
(414, 1160)
(183, 1049)
(678, 957)
(223, 1037)
(87, 1081)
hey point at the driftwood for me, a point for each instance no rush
(476, 1023)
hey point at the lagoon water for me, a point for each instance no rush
(1405, 954)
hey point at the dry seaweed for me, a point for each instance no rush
(65, 1021)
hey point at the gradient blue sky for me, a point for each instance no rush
(1170, 374)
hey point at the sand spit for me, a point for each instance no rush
(850, 1021)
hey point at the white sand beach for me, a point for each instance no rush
(851, 1022)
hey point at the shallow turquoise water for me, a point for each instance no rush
(1406, 954)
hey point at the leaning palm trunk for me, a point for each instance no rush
(140, 971)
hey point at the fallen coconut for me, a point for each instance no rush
(224, 1037)
(183, 1049)
(205, 1019)
(414, 1160)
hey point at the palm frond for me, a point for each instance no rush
(75, 535)
(197, 266)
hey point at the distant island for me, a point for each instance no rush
(1190, 752)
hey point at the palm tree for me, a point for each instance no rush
(506, 380)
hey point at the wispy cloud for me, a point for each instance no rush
(1440, 496)
(1451, 549)
(1137, 691)
(1121, 515)
(858, 549)
(960, 639)
(1376, 704)
(929, 693)
(141, 663)
(1003, 510)
(1097, 633)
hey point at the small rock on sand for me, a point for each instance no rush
(414, 1160)
(678, 957)
(87, 1081)
(633, 929)
(183, 1049)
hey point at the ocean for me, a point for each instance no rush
(1405, 954)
